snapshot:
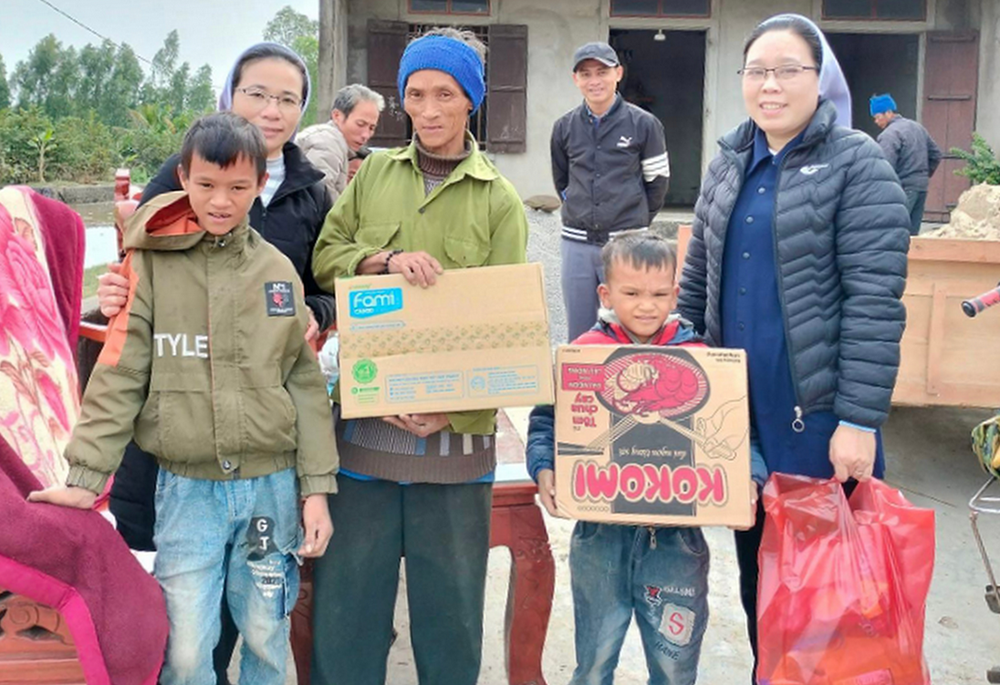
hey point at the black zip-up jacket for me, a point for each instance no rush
(612, 176)
(841, 234)
(291, 221)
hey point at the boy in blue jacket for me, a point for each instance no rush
(660, 574)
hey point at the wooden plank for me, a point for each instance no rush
(954, 250)
(935, 343)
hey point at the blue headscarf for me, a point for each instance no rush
(832, 84)
(275, 50)
(451, 56)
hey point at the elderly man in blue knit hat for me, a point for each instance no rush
(416, 486)
(911, 151)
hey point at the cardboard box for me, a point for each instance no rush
(477, 339)
(653, 435)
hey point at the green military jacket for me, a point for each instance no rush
(207, 363)
(474, 218)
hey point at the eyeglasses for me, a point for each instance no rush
(785, 72)
(260, 97)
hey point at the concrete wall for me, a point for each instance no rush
(988, 102)
(556, 27)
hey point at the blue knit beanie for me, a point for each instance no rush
(451, 56)
(881, 103)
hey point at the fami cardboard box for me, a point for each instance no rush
(653, 435)
(477, 339)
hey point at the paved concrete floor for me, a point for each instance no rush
(929, 459)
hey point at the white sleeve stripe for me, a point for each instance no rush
(655, 160)
(649, 177)
(656, 168)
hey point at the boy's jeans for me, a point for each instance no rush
(240, 534)
(661, 575)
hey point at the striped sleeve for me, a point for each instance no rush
(658, 165)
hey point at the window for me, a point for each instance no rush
(913, 10)
(451, 6)
(661, 8)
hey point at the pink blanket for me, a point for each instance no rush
(73, 561)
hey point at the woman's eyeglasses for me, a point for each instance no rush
(785, 72)
(260, 97)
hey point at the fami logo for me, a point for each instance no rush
(366, 303)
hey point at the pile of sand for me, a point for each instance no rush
(977, 216)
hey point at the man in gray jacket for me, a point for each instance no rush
(332, 146)
(911, 151)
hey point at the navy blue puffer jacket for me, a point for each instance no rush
(841, 238)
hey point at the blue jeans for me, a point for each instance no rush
(915, 200)
(658, 574)
(240, 535)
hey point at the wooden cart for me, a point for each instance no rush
(946, 357)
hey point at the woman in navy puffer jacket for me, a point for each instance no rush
(798, 255)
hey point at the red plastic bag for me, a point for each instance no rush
(843, 585)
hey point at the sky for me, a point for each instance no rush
(210, 31)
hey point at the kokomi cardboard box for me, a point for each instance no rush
(477, 339)
(653, 435)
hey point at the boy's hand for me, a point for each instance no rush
(65, 496)
(420, 425)
(547, 492)
(312, 330)
(317, 525)
(112, 290)
(753, 509)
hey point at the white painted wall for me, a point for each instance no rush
(557, 27)
(988, 102)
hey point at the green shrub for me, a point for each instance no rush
(981, 164)
(86, 151)
(19, 131)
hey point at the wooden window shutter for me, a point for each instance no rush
(507, 85)
(386, 42)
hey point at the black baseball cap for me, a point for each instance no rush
(602, 52)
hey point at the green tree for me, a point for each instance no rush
(96, 65)
(288, 25)
(308, 49)
(176, 93)
(4, 88)
(201, 95)
(32, 77)
(165, 62)
(122, 93)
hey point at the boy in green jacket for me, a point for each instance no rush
(208, 367)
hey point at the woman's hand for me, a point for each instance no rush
(112, 290)
(852, 453)
(317, 525)
(418, 268)
(65, 496)
(312, 330)
(420, 425)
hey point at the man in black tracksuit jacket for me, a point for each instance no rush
(610, 167)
